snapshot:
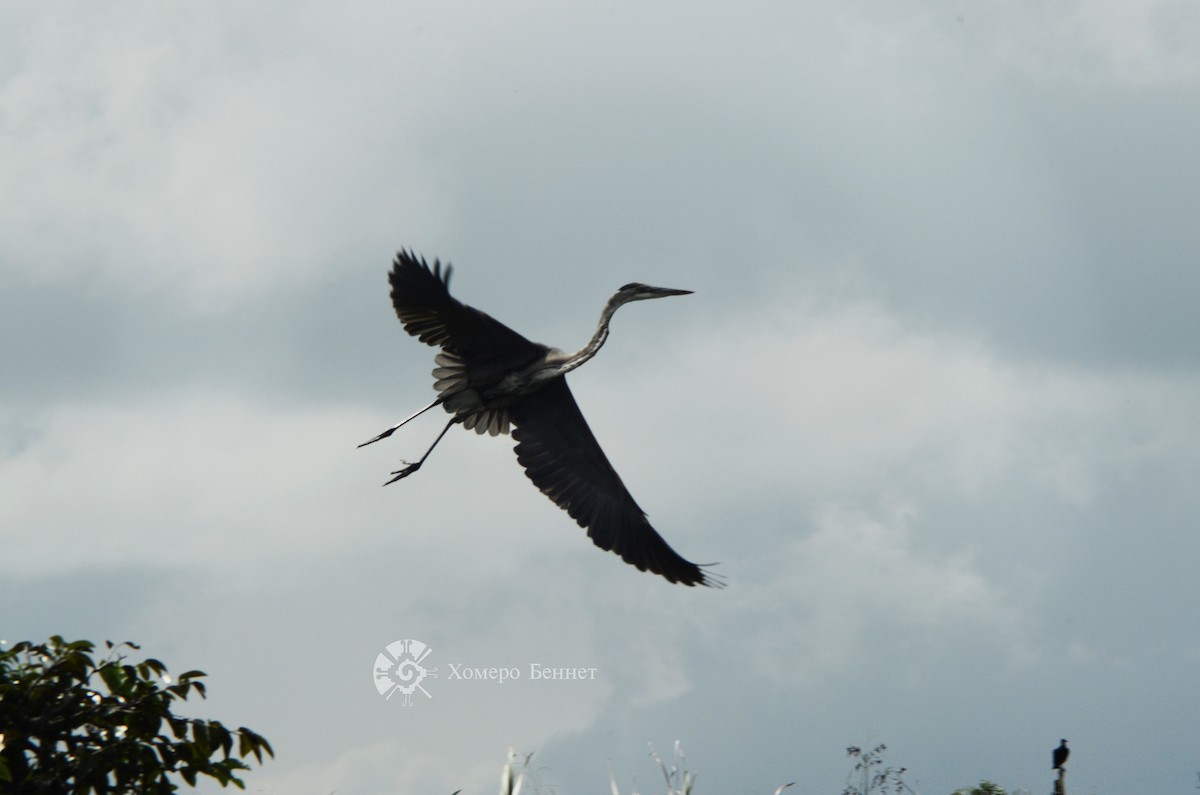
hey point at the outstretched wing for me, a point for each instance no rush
(564, 460)
(421, 297)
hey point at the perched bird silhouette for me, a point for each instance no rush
(489, 378)
(1060, 755)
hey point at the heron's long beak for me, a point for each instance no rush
(663, 292)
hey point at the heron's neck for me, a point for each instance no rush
(595, 343)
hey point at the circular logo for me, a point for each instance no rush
(398, 669)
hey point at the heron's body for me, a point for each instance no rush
(491, 379)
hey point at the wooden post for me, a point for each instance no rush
(1060, 786)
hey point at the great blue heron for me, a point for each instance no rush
(490, 377)
(1060, 755)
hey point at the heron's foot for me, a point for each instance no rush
(383, 435)
(403, 473)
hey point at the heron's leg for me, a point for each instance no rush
(411, 468)
(400, 424)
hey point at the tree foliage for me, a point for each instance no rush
(72, 723)
(984, 787)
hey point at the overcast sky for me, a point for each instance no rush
(934, 405)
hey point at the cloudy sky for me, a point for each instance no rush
(934, 405)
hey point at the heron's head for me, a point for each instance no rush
(642, 292)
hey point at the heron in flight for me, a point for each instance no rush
(489, 377)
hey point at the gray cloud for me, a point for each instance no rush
(932, 405)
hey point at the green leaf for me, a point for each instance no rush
(200, 736)
(251, 743)
(114, 679)
(178, 727)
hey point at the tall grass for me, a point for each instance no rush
(679, 780)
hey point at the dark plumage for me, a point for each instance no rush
(1060, 755)
(489, 378)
